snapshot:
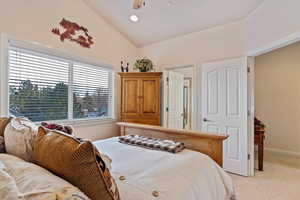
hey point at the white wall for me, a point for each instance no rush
(32, 20)
(216, 43)
(273, 20)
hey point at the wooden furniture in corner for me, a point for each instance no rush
(206, 143)
(140, 97)
(259, 138)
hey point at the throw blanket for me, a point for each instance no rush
(152, 143)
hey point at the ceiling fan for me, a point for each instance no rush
(137, 4)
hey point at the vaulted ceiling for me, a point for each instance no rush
(164, 19)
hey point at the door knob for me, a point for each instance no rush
(206, 120)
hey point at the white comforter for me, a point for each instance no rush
(188, 175)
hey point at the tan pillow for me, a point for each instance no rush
(18, 136)
(76, 161)
(3, 123)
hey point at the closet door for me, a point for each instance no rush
(130, 98)
(150, 100)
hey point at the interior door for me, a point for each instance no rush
(175, 100)
(224, 107)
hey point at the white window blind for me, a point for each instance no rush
(91, 91)
(48, 88)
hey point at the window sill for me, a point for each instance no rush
(83, 122)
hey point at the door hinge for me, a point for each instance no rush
(249, 156)
(248, 70)
(167, 109)
(249, 113)
(167, 79)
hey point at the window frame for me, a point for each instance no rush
(6, 43)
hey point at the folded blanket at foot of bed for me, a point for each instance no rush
(152, 143)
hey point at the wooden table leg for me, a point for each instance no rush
(261, 155)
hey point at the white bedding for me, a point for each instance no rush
(187, 175)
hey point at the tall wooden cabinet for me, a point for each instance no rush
(141, 97)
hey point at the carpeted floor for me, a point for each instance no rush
(280, 180)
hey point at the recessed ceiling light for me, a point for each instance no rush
(134, 18)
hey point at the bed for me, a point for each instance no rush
(141, 174)
(193, 174)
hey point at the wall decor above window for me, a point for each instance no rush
(75, 33)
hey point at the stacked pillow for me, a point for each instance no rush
(21, 180)
(3, 123)
(19, 136)
(76, 161)
(51, 126)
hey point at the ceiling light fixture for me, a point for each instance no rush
(134, 18)
(171, 3)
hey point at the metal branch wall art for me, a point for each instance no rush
(73, 32)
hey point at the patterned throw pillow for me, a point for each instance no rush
(19, 136)
(2, 145)
(3, 123)
(76, 161)
(57, 127)
(152, 143)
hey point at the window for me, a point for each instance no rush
(47, 88)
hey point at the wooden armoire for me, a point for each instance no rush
(141, 97)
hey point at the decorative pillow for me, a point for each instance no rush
(76, 161)
(22, 180)
(3, 123)
(2, 145)
(18, 136)
(152, 143)
(9, 189)
(107, 160)
(66, 129)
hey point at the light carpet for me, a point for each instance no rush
(280, 180)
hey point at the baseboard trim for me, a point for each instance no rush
(283, 152)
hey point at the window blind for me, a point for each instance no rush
(38, 86)
(47, 88)
(91, 91)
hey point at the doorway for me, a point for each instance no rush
(179, 109)
(277, 97)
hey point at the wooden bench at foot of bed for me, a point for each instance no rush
(206, 143)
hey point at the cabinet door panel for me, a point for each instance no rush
(150, 96)
(130, 93)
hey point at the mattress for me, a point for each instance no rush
(144, 174)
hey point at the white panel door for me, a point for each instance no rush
(175, 100)
(224, 108)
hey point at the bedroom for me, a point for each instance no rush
(248, 29)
